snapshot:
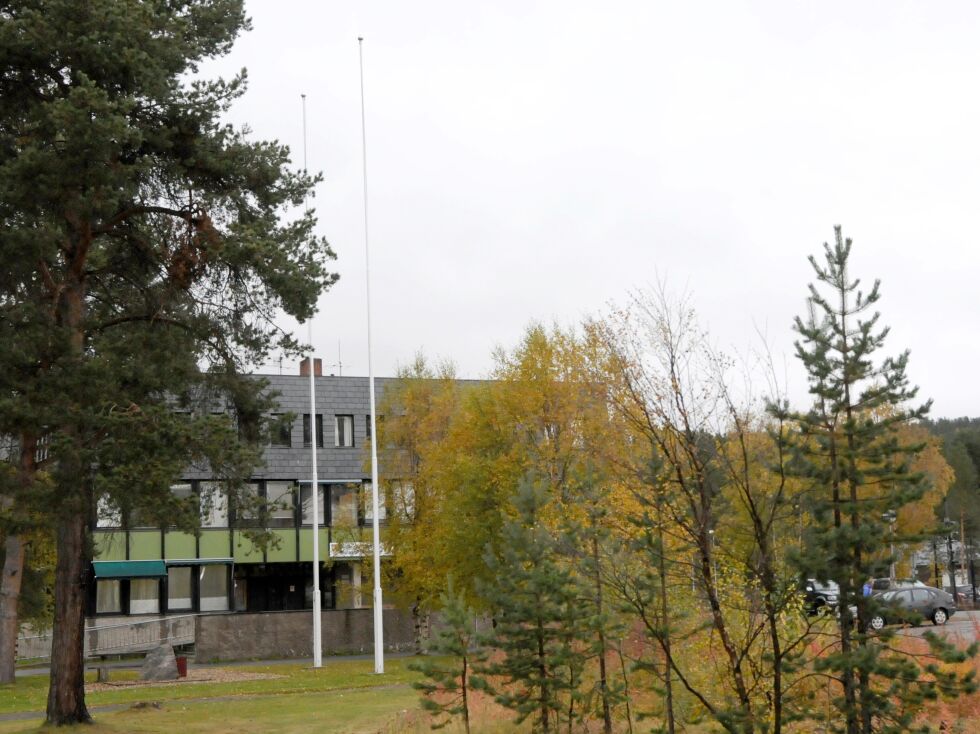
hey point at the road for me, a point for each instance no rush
(963, 626)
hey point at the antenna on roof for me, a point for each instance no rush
(339, 364)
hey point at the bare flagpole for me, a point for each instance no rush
(379, 658)
(314, 483)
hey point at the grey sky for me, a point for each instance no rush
(534, 161)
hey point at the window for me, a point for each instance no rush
(281, 432)
(343, 505)
(108, 596)
(306, 504)
(144, 596)
(179, 595)
(367, 428)
(343, 430)
(369, 504)
(214, 506)
(319, 430)
(282, 508)
(248, 512)
(403, 499)
(139, 518)
(108, 515)
(182, 491)
(213, 583)
(184, 494)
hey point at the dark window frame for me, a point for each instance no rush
(282, 436)
(343, 440)
(307, 430)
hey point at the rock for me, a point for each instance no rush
(160, 664)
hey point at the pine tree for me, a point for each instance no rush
(449, 672)
(538, 624)
(588, 544)
(847, 448)
(145, 255)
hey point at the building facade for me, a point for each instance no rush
(140, 570)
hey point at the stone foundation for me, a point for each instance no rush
(270, 635)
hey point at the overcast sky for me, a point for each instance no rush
(537, 161)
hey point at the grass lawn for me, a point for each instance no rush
(368, 710)
(341, 697)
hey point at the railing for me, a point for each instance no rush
(356, 549)
(119, 638)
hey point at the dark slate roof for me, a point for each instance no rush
(334, 396)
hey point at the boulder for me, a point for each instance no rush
(160, 664)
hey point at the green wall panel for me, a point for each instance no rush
(144, 545)
(179, 545)
(306, 544)
(245, 550)
(110, 546)
(286, 552)
(214, 544)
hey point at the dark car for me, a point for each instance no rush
(912, 605)
(820, 596)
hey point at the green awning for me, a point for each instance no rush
(129, 569)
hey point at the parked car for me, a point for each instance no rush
(886, 584)
(964, 594)
(820, 596)
(912, 605)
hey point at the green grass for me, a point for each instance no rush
(30, 693)
(347, 711)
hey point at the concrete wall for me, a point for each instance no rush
(290, 634)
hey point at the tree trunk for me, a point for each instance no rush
(66, 696)
(13, 572)
(464, 685)
(417, 628)
(665, 620)
(543, 701)
(603, 682)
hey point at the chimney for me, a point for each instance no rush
(304, 367)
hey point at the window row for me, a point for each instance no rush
(201, 588)
(274, 504)
(343, 431)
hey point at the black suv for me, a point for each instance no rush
(912, 605)
(820, 596)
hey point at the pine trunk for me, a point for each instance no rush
(66, 696)
(13, 572)
(603, 682)
(665, 617)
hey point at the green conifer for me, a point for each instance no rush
(847, 448)
(448, 673)
(538, 621)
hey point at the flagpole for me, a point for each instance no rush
(314, 482)
(379, 660)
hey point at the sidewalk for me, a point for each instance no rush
(137, 663)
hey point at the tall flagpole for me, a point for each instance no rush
(379, 657)
(314, 483)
